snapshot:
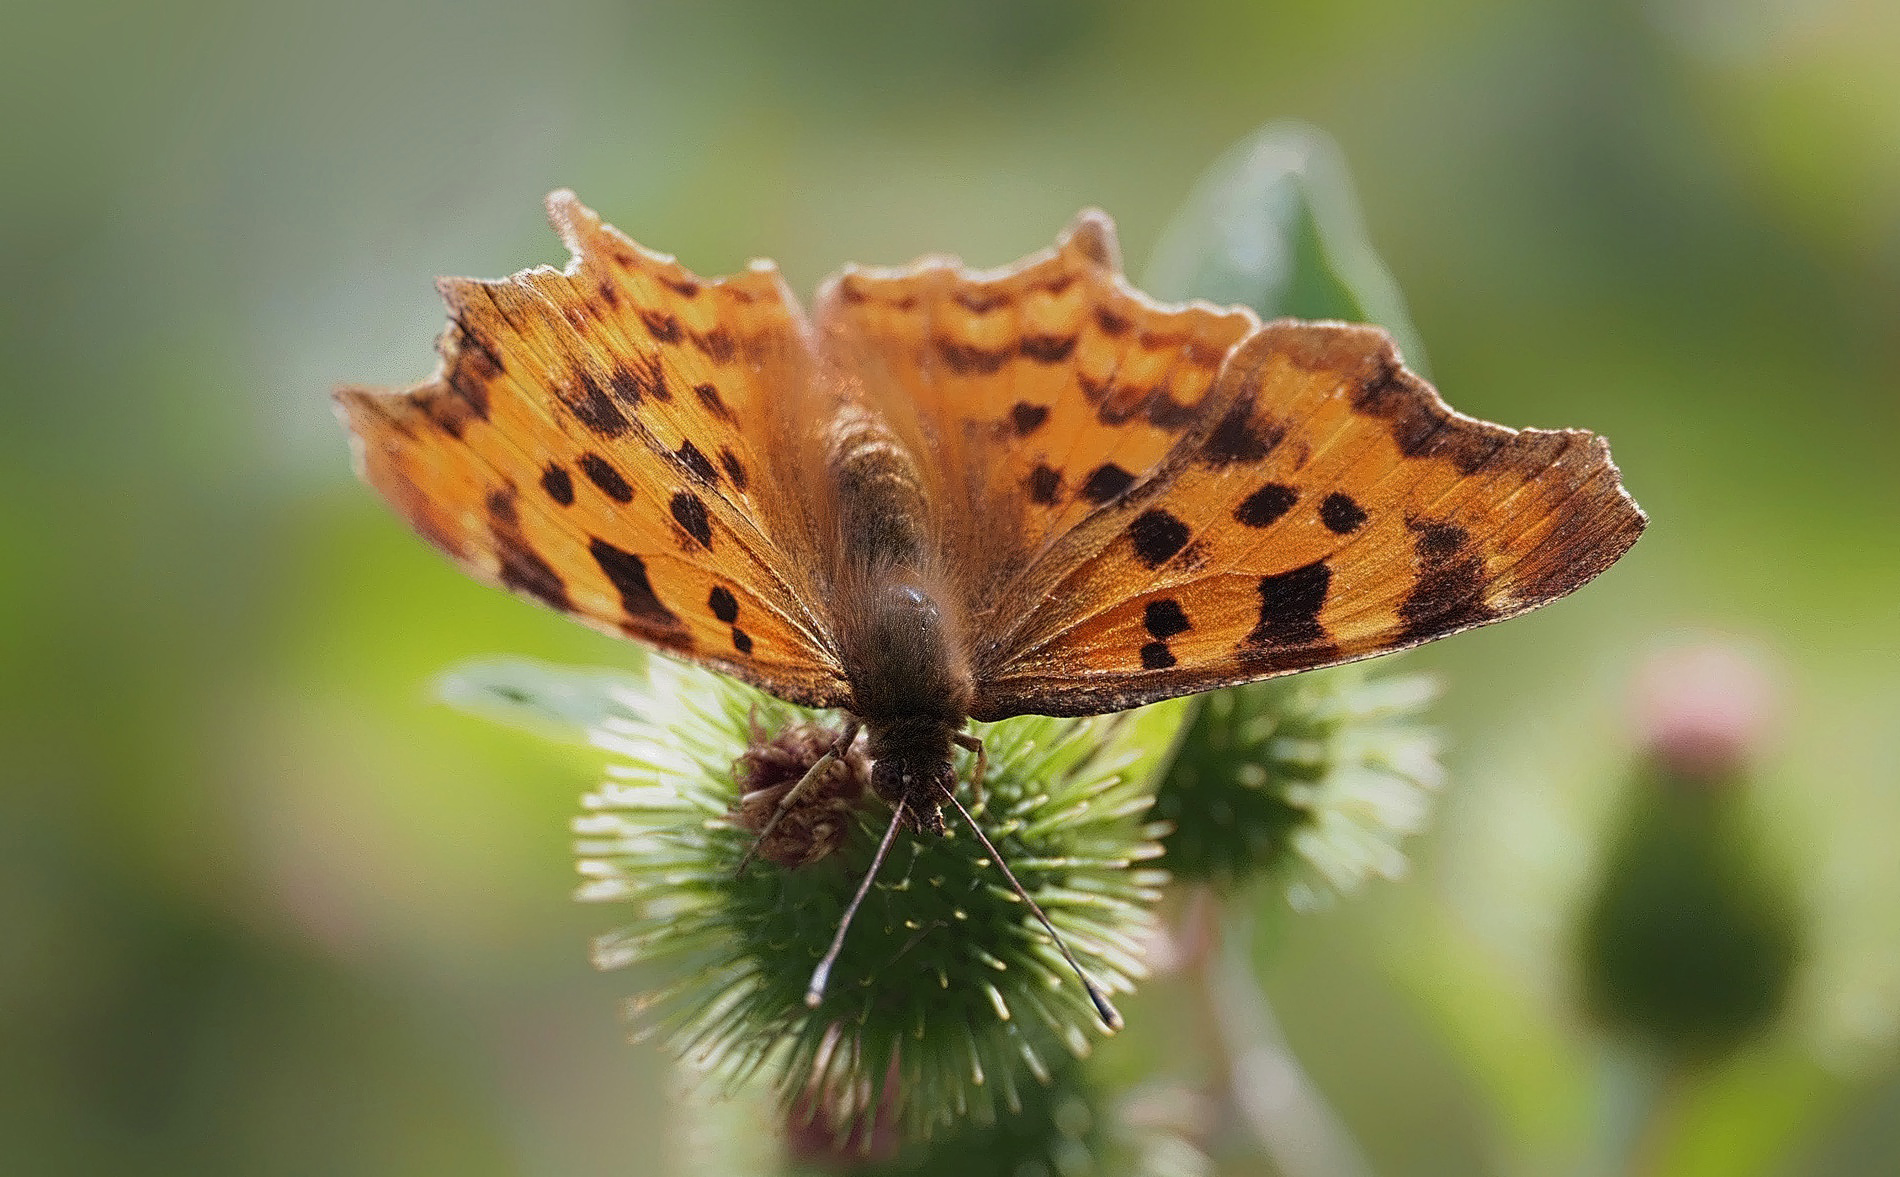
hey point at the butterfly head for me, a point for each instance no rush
(920, 778)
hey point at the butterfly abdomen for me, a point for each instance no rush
(882, 509)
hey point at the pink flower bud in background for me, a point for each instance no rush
(1702, 709)
(834, 1130)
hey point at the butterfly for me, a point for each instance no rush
(948, 494)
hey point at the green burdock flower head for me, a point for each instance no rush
(946, 991)
(1312, 780)
(1691, 943)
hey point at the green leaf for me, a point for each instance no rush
(1274, 225)
(559, 702)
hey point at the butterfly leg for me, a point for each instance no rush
(974, 744)
(838, 748)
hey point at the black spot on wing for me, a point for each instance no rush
(696, 463)
(1156, 656)
(591, 405)
(716, 345)
(634, 382)
(661, 326)
(501, 506)
(523, 570)
(1157, 536)
(1290, 603)
(629, 389)
(964, 359)
(689, 511)
(1437, 542)
(475, 352)
(980, 302)
(445, 410)
(1110, 322)
(1451, 584)
(472, 388)
(723, 604)
(559, 484)
(1164, 619)
(604, 476)
(1045, 485)
(708, 395)
(741, 640)
(1026, 418)
(1341, 514)
(628, 573)
(1047, 349)
(1241, 436)
(735, 469)
(1106, 482)
(1164, 412)
(1265, 506)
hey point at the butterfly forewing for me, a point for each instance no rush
(1333, 510)
(606, 440)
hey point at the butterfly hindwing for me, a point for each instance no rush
(1330, 507)
(600, 439)
(1043, 390)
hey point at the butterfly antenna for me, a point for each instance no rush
(1103, 1007)
(820, 976)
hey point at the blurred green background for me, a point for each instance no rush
(265, 907)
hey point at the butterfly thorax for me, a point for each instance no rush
(910, 684)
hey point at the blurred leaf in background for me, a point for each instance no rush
(1275, 225)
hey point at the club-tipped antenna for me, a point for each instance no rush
(1103, 1007)
(820, 976)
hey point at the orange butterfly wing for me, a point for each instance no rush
(1043, 390)
(1334, 509)
(602, 439)
(1147, 501)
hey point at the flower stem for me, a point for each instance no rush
(1638, 1106)
(1261, 1084)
